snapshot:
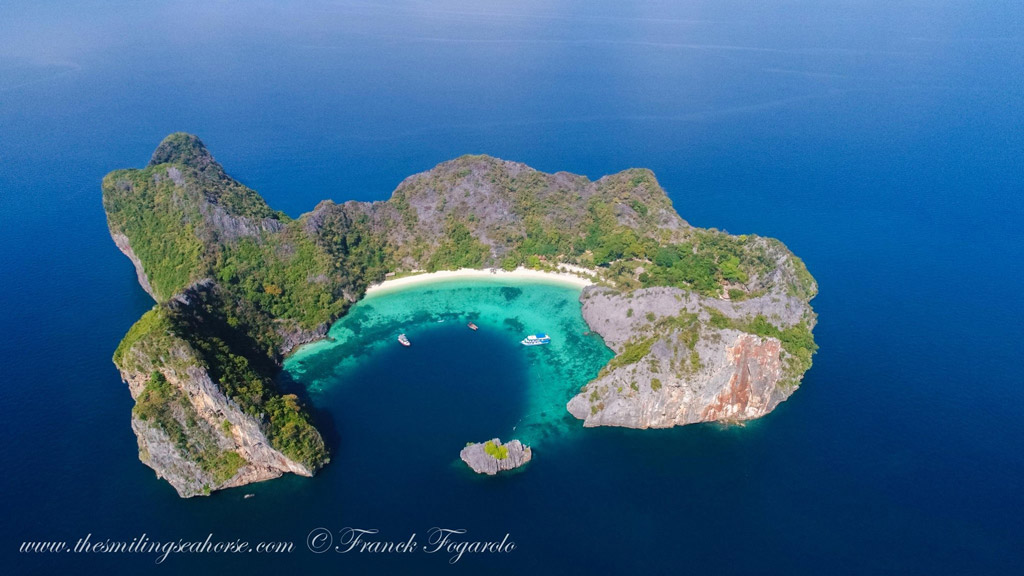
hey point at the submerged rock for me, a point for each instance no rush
(492, 456)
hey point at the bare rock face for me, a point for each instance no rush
(196, 425)
(293, 336)
(692, 369)
(230, 227)
(492, 456)
(122, 243)
(738, 379)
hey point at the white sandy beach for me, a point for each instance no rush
(567, 274)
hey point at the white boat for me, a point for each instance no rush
(536, 340)
(404, 340)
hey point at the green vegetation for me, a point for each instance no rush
(214, 227)
(797, 340)
(685, 325)
(292, 433)
(707, 261)
(804, 287)
(358, 255)
(655, 384)
(285, 276)
(185, 150)
(161, 231)
(458, 249)
(176, 339)
(617, 229)
(632, 352)
(496, 451)
(153, 325)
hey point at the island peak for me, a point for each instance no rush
(183, 148)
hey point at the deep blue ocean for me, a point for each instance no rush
(882, 141)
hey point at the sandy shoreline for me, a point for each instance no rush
(568, 275)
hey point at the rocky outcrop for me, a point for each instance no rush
(230, 227)
(492, 456)
(206, 425)
(293, 336)
(697, 366)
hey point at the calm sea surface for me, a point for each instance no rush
(881, 141)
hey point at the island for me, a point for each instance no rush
(492, 456)
(705, 326)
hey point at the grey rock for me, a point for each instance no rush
(231, 227)
(293, 335)
(126, 248)
(219, 423)
(477, 458)
(726, 375)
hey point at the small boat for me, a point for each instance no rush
(536, 340)
(404, 340)
(247, 496)
(473, 326)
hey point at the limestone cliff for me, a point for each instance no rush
(125, 246)
(188, 431)
(683, 358)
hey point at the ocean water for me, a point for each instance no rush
(880, 141)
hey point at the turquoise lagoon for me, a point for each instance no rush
(472, 385)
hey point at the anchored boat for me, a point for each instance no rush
(536, 340)
(404, 340)
(473, 326)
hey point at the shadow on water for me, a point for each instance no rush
(323, 419)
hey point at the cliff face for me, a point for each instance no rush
(695, 366)
(705, 325)
(188, 429)
(192, 440)
(125, 246)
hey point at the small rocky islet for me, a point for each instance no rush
(705, 326)
(492, 456)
